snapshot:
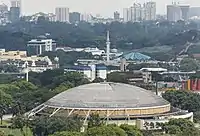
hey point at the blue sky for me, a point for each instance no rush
(103, 7)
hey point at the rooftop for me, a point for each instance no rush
(136, 56)
(107, 96)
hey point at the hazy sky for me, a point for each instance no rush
(103, 7)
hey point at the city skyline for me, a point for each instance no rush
(104, 7)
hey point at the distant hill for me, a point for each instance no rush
(128, 36)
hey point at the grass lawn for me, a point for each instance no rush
(14, 132)
(17, 132)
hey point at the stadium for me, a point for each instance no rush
(114, 102)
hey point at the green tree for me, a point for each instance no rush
(5, 102)
(22, 123)
(63, 87)
(117, 77)
(183, 100)
(181, 127)
(95, 121)
(67, 133)
(105, 131)
(173, 129)
(44, 126)
(189, 64)
(131, 130)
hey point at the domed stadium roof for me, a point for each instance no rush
(136, 56)
(106, 96)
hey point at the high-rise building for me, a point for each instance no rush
(16, 3)
(174, 13)
(150, 10)
(62, 14)
(116, 15)
(74, 17)
(14, 14)
(125, 14)
(4, 14)
(185, 11)
(137, 12)
(86, 17)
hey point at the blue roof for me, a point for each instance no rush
(136, 56)
(101, 68)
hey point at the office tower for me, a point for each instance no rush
(136, 12)
(150, 10)
(14, 14)
(74, 17)
(125, 14)
(185, 11)
(16, 3)
(4, 14)
(174, 13)
(116, 15)
(86, 17)
(62, 14)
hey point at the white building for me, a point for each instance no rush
(90, 71)
(38, 46)
(86, 17)
(15, 3)
(174, 13)
(62, 14)
(138, 12)
(93, 51)
(125, 14)
(150, 9)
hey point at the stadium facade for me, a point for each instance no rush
(115, 103)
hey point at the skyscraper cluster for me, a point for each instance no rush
(63, 15)
(140, 12)
(12, 14)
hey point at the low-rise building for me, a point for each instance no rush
(22, 61)
(38, 46)
(90, 71)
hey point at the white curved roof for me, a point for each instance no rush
(106, 95)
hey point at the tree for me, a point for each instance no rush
(173, 129)
(105, 131)
(44, 126)
(98, 80)
(183, 100)
(67, 133)
(95, 121)
(117, 77)
(5, 102)
(63, 87)
(20, 122)
(188, 64)
(131, 130)
(181, 127)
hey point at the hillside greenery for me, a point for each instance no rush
(127, 36)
